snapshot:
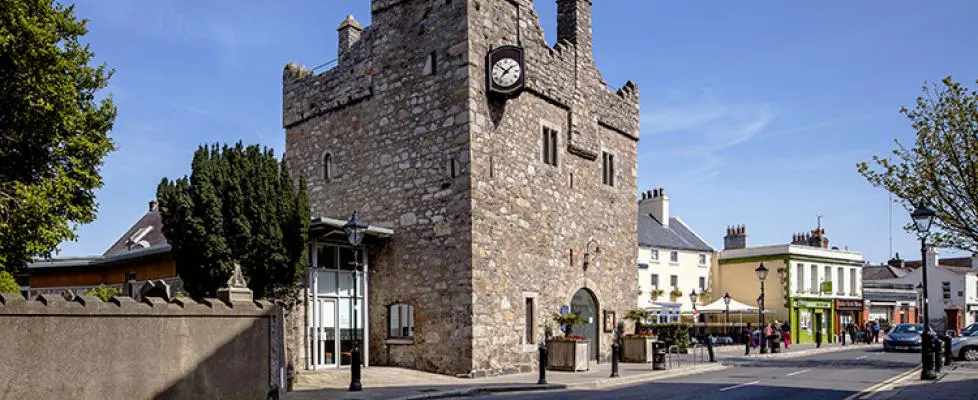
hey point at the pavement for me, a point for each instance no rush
(958, 382)
(407, 384)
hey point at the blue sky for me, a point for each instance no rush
(753, 113)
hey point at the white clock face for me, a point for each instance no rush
(506, 72)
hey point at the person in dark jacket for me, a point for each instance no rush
(748, 339)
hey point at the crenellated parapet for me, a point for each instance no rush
(49, 304)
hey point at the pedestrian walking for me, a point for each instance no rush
(876, 332)
(787, 337)
(748, 339)
(818, 337)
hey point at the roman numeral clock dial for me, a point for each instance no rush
(505, 70)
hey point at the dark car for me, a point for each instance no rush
(903, 337)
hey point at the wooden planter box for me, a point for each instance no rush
(568, 355)
(637, 349)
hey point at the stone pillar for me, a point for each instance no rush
(349, 32)
(574, 24)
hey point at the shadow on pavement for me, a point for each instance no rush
(681, 391)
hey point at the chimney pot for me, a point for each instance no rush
(153, 205)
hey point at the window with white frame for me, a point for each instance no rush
(702, 259)
(674, 281)
(674, 256)
(655, 281)
(702, 284)
(814, 279)
(827, 277)
(852, 282)
(654, 255)
(800, 279)
(401, 321)
(841, 280)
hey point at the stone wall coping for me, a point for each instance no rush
(13, 304)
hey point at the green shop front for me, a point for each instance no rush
(811, 315)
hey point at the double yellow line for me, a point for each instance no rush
(885, 385)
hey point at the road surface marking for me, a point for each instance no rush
(861, 357)
(739, 386)
(882, 386)
(799, 372)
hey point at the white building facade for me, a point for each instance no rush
(673, 261)
(952, 291)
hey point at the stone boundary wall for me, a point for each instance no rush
(89, 349)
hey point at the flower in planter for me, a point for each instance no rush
(656, 293)
(676, 293)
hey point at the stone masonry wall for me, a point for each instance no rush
(393, 132)
(467, 249)
(122, 349)
(531, 221)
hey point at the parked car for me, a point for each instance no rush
(970, 328)
(903, 337)
(965, 346)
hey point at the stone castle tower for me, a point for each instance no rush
(491, 236)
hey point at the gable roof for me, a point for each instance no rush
(145, 233)
(677, 235)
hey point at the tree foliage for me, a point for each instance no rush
(239, 205)
(941, 168)
(105, 293)
(8, 285)
(53, 130)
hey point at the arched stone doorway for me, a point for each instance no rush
(585, 305)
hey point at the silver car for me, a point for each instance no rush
(965, 347)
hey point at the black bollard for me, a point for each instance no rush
(614, 360)
(355, 369)
(927, 357)
(289, 377)
(543, 365)
(947, 350)
(938, 353)
(709, 348)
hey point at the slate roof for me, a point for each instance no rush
(882, 272)
(152, 222)
(676, 236)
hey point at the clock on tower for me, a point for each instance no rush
(505, 70)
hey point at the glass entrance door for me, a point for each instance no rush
(325, 330)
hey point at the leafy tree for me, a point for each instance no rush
(8, 285)
(239, 205)
(941, 168)
(103, 292)
(53, 130)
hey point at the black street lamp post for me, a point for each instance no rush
(922, 219)
(761, 272)
(355, 231)
(726, 303)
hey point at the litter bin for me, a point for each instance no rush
(658, 355)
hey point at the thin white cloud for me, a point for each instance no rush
(700, 129)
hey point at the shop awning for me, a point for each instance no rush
(718, 307)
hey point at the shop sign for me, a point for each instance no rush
(827, 287)
(813, 304)
(849, 305)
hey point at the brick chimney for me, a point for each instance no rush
(154, 205)
(655, 203)
(574, 24)
(349, 31)
(932, 257)
(736, 238)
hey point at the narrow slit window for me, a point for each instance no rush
(608, 168)
(327, 166)
(548, 146)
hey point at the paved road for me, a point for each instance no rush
(834, 375)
